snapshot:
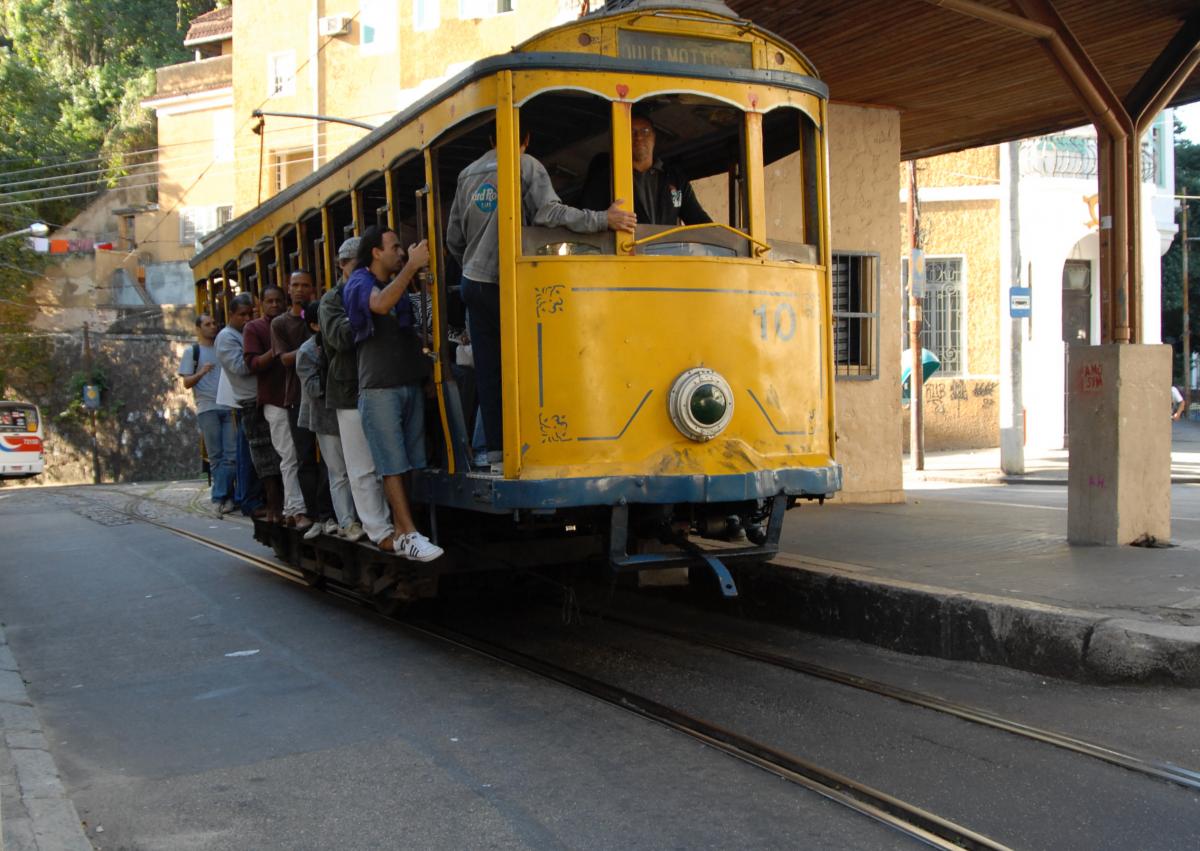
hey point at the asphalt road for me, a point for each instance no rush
(192, 701)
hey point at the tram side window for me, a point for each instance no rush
(688, 154)
(790, 146)
(570, 134)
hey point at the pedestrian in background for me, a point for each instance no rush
(238, 390)
(201, 373)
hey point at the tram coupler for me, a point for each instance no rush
(689, 554)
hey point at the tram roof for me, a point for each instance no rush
(960, 82)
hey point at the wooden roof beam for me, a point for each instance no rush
(974, 9)
(1166, 74)
(1118, 148)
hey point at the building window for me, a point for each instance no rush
(281, 74)
(942, 306)
(856, 314)
(468, 9)
(290, 167)
(195, 223)
(188, 225)
(426, 14)
(377, 27)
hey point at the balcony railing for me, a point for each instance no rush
(1065, 155)
(188, 77)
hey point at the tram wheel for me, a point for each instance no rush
(311, 579)
(388, 606)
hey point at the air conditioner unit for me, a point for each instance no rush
(332, 25)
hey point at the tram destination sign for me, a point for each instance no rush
(654, 47)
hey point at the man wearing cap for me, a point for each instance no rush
(341, 394)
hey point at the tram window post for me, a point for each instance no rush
(622, 159)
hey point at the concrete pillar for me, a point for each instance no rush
(1119, 488)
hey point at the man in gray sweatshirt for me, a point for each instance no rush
(472, 237)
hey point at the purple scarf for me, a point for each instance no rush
(357, 299)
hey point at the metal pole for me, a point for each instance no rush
(1012, 400)
(87, 365)
(1187, 324)
(916, 424)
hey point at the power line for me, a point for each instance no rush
(56, 183)
(65, 197)
(95, 159)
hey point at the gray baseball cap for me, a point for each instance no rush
(349, 249)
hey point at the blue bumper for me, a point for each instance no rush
(496, 495)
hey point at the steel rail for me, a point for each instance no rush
(912, 821)
(1160, 769)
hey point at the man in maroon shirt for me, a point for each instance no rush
(288, 333)
(264, 363)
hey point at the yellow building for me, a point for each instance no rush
(196, 167)
(1021, 215)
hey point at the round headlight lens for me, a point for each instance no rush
(700, 403)
(708, 404)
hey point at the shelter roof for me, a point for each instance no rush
(959, 82)
(216, 25)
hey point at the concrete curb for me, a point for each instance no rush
(42, 818)
(931, 621)
(999, 479)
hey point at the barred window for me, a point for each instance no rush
(856, 314)
(281, 74)
(942, 326)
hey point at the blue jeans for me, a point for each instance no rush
(483, 323)
(220, 439)
(393, 421)
(248, 494)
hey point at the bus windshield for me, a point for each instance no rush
(18, 418)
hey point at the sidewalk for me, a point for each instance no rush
(973, 568)
(1045, 467)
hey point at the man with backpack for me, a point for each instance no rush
(201, 373)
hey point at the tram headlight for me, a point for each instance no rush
(700, 404)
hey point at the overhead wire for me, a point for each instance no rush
(146, 169)
(157, 164)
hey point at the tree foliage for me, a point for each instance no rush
(1187, 182)
(72, 75)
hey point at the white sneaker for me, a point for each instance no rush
(353, 533)
(331, 527)
(416, 547)
(313, 531)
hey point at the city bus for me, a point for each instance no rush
(21, 447)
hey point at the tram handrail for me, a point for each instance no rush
(763, 247)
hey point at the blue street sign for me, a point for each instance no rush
(1020, 302)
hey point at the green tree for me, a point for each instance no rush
(24, 361)
(1187, 182)
(72, 75)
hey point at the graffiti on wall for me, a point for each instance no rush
(952, 399)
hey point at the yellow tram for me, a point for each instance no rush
(666, 386)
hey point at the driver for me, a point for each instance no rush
(660, 195)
